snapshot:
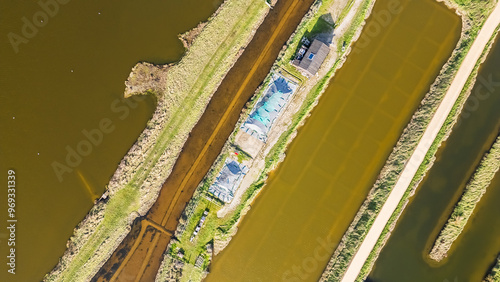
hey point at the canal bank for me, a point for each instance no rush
(135, 185)
(189, 255)
(436, 64)
(64, 121)
(473, 192)
(144, 249)
(473, 254)
(407, 147)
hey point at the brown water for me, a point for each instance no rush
(404, 258)
(218, 121)
(300, 216)
(69, 77)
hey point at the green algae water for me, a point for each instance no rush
(310, 200)
(64, 126)
(404, 258)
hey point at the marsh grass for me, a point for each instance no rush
(191, 82)
(472, 194)
(476, 13)
(475, 16)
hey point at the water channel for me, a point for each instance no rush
(66, 77)
(310, 200)
(405, 255)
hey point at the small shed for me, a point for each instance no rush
(313, 57)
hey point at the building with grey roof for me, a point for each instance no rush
(310, 61)
(228, 180)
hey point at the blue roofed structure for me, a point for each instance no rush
(268, 107)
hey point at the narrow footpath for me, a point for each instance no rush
(425, 143)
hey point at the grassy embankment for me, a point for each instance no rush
(219, 230)
(494, 274)
(426, 165)
(474, 14)
(351, 241)
(471, 196)
(189, 86)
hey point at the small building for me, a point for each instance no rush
(268, 107)
(228, 181)
(253, 134)
(310, 61)
(200, 224)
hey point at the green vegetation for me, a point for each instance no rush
(358, 19)
(344, 12)
(219, 230)
(190, 84)
(494, 275)
(475, 14)
(472, 195)
(424, 167)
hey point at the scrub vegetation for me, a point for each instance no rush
(473, 192)
(494, 275)
(217, 232)
(189, 84)
(473, 13)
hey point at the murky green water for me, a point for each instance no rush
(296, 223)
(68, 76)
(404, 258)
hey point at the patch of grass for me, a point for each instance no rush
(463, 209)
(344, 12)
(198, 245)
(358, 19)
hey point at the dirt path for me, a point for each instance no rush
(425, 143)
